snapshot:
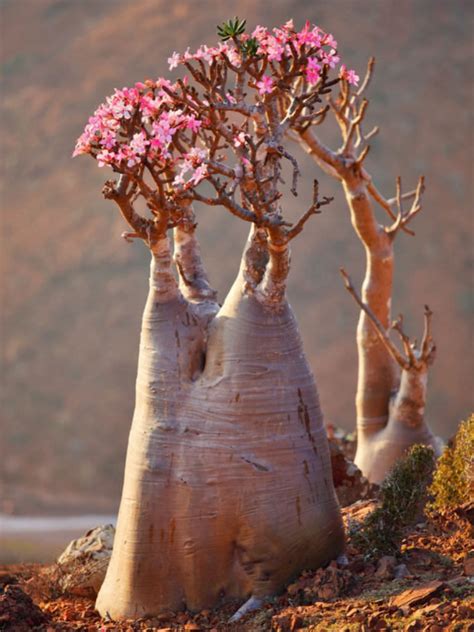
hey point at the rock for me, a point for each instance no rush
(401, 571)
(286, 622)
(386, 567)
(84, 562)
(358, 511)
(466, 511)
(328, 583)
(7, 578)
(18, 613)
(416, 595)
(422, 612)
(348, 480)
(469, 564)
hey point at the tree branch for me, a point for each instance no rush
(379, 328)
(118, 192)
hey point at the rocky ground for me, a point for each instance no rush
(428, 586)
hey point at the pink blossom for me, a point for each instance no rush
(240, 139)
(275, 50)
(260, 33)
(265, 85)
(199, 174)
(196, 155)
(82, 147)
(174, 60)
(193, 124)
(313, 71)
(104, 158)
(309, 36)
(331, 58)
(179, 178)
(349, 75)
(139, 143)
(205, 53)
(149, 107)
(329, 41)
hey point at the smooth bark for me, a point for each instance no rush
(386, 425)
(228, 488)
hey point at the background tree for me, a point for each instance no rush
(228, 488)
(390, 409)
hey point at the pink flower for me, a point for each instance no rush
(193, 124)
(309, 36)
(105, 157)
(205, 53)
(260, 33)
(331, 58)
(239, 140)
(329, 41)
(139, 143)
(313, 70)
(275, 50)
(349, 75)
(82, 147)
(174, 60)
(199, 174)
(265, 85)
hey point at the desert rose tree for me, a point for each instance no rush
(228, 489)
(392, 386)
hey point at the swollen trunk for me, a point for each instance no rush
(228, 489)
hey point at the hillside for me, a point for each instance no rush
(72, 290)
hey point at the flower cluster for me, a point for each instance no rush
(135, 123)
(313, 47)
(181, 132)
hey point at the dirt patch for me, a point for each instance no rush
(426, 588)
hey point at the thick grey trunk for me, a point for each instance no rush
(228, 489)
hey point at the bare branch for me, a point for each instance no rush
(368, 76)
(313, 210)
(427, 347)
(404, 217)
(397, 325)
(379, 328)
(118, 192)
(317, 149)
(386, 204)
(353, 125)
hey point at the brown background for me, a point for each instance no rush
(73, 291)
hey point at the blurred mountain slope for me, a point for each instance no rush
(73, 291)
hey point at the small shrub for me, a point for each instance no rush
(402, 495)
(453, 480)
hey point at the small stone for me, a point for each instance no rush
(386, 567)
(422, 612)
(292, 589)
(401, 571)
(84, 562)
(416, 595)
(469, 564)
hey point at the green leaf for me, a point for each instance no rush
(250, 47)
(231, 28)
